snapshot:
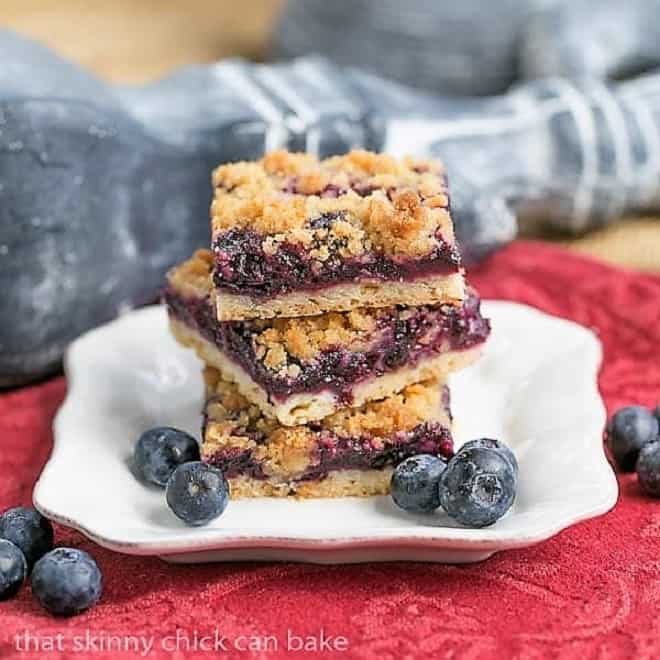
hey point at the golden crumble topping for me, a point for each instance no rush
(304, 338)
(378, 203)
(234, 423)
(234, 414)
(416, 404)
(193, 276)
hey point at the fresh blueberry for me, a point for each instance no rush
(29, 530)
(628, 431)
(13, 569)
(478, 487)
(415, 483)
(66, 581)
(491, 443)
(159, 451)
(197, 493)
(648, 468)
(657, 412)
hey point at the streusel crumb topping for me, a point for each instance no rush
(192, 277)
(234, 423)
(233, 415)
(416, 404)
(353, 204)
(304, 338)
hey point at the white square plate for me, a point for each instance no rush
(535, 388)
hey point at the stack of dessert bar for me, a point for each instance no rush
(329, 313)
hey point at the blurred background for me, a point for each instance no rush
(134, 41)
(540, 134)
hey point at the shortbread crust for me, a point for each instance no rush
(448, 289)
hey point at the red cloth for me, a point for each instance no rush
(593, 591)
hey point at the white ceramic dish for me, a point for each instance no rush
(535, 388)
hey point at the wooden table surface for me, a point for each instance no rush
(138, 40)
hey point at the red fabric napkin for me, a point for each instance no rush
(593, 591)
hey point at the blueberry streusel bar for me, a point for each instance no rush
(301, 370)
(350, 453)
(295, 236)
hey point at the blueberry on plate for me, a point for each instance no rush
(66, 581)
(478, 487)
(415, 482)
(29, 530)
(159, 451)
(13, 569)
(648, 468)
(627, 432)
(197, 493)
(491, 443)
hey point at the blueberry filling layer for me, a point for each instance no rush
(335, 453)
(242, 266)
(401, 340)
(236, 462)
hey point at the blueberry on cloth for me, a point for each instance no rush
(159, 451)
(66, 581)
(415, 481)
(29, 530)
(628, 431)
(13, 569)
(491, 443)
(197, 493)
(648, 468)
(478, 487)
